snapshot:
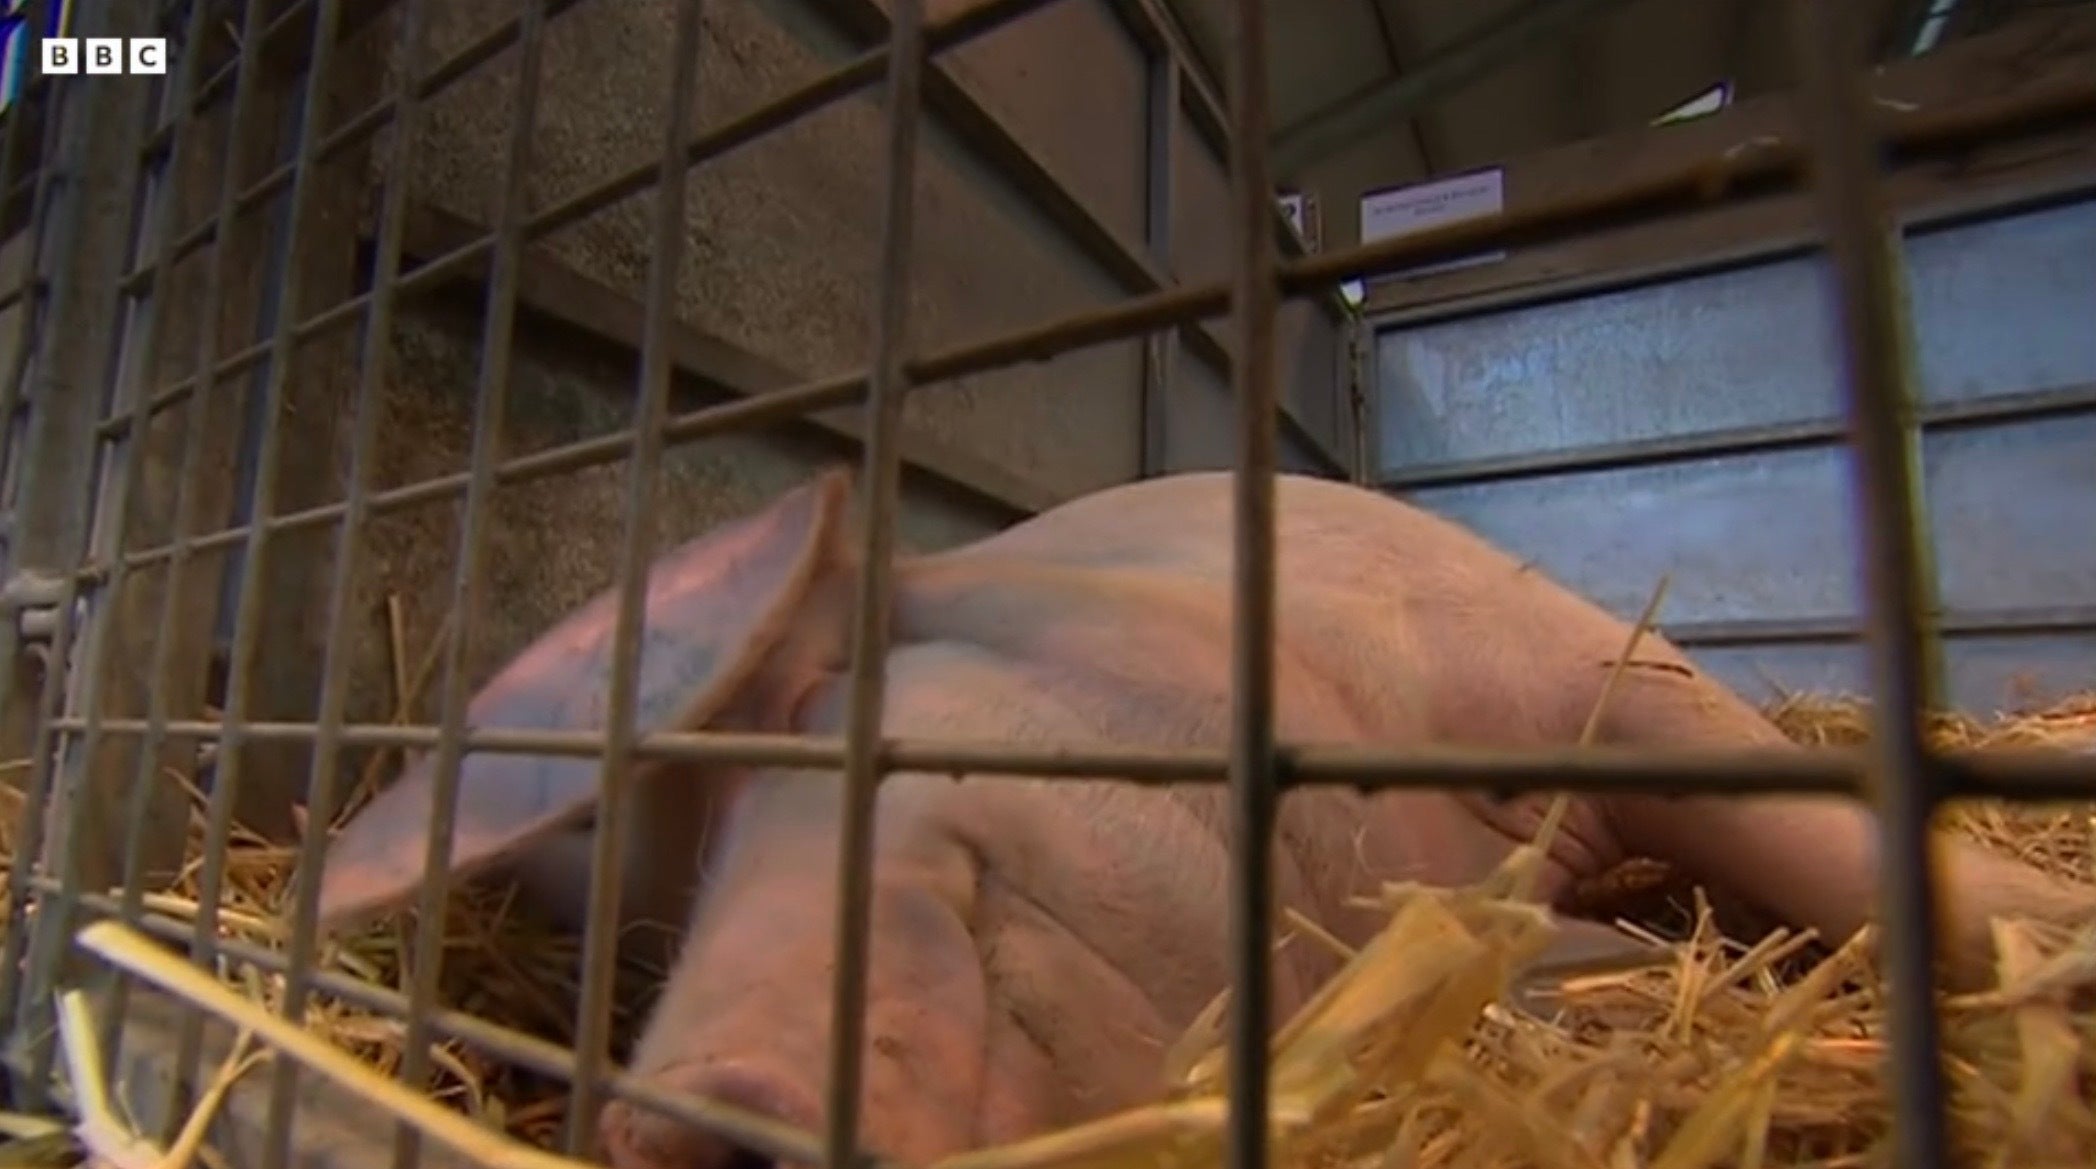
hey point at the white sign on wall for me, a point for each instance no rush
(1402, 211)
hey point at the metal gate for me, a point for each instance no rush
(1690, 425)
(92, 383)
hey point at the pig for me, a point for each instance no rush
(1037, 943)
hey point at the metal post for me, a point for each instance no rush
(650, 407)
(324, 776)
(468, 583)
(887, 383)
(92, 177)
(1253, 776)
(1890, 549)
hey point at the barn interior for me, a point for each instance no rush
(1563, 271)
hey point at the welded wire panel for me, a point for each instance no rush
(154, 550)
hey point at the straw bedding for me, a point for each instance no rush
(1736, 1054)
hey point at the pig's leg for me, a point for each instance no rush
(1811, 861)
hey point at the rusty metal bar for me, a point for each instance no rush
(1891, 541)
(1826, 771)
(23, 293)
(1745, 172)
(880, 492)
(360, 128)
(651, 406)
(138, 799)
(1254, 780)
(323, 780)
(842, 82)
(468, 581)
(1769, 167)
(254, 562)
(137, 355)
(189, 1038)
(80, 239)
(29, 832)
(750, 1130)
(954, 106)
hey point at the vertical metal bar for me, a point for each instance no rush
(468, 581)
(138, 800)
(10, 156)
(1909, 784)
(85, 189)
(29, 832)
(1160, 159)
(133, 353)
(261, 501)
(1254, 786)
(324, 774)
(146, 773)
(886, 386)
(650, 408)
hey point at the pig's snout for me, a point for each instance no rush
(636, 1137)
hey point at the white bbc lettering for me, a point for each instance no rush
(135, 55)
(148, 55)
(61, 55)
(104, 55)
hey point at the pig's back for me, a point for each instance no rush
(1402, 610)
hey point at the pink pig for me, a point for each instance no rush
(1038, 943)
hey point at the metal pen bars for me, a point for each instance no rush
(1840, 158)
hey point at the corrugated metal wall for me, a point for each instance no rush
(1689, 428)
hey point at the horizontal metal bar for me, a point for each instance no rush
(753, 1131)
(1955, 177)
(1935, 416)
(287, 43)
(1331, 128)
(1996, 774)
(984, 134)
(1813, 630)
(563, 298)
(842, 82)
(1160, 34)
(1129, 318)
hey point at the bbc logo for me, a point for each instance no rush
(105, 55)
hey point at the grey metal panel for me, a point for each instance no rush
(1293, 456)
(1982, 673)
(1742, 537)
(2012, 509)
(1200, 430)
(1084, 124)
(1745, 347)
(2006, 305)
(1764, 673)
(1310, 343)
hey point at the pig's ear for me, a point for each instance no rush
(717, 608)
